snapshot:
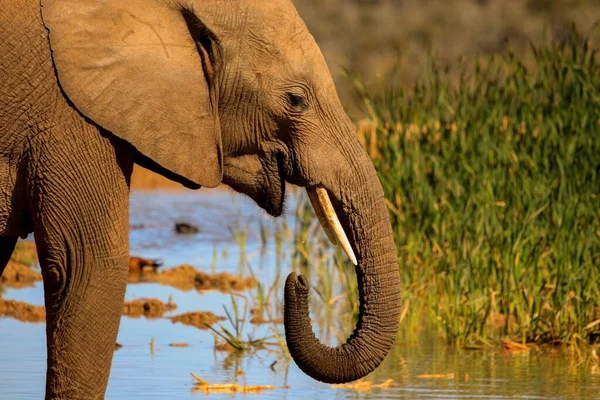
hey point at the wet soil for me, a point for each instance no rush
(25, 253)
(20, 271)
(199, 319)
(21, 311)
(138, 264)
(18, 276)
(149, 308)
(186, 277)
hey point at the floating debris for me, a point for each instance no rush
(199, 319)
(362, 384)
(437, 376)
(184, 228)
(179, 345)
(203, 386)
(21, 311)
(149, 308)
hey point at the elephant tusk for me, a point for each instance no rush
(329, 220)
(314, 200)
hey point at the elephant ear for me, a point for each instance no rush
(142, 69)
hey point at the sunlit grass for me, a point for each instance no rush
(493, 187)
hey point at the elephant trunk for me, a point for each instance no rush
(365, 218)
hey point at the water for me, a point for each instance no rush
(138, 372)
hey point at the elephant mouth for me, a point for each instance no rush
(273, 199)
(260, 178)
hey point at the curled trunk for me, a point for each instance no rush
(370, 234)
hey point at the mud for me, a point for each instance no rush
(21, 311)
(186, 278)
(25, 253)
(18, 276)
(199, 319)
(20, 271)
(138, 264)
(149, 308)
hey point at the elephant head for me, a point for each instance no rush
(212, 91)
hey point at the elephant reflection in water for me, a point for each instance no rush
(203, 92)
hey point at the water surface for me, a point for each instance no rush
(139, 372)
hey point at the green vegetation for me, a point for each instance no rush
(494, 192)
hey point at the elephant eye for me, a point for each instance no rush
(297, 101)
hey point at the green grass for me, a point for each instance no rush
(493, 186)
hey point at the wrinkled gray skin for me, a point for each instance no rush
(268, 114)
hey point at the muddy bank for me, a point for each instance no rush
(17, 276)
(25, 312)
(25, 253)
(21, 271)
(185, 277)
(138, 264)
(199, 319)
(21, 311)
(148, 308)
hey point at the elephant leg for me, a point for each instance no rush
(7, 246)
(80, 217)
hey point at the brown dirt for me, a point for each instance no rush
(138, 264)
(185, 277)
(199, 319)
(22, 311)
(17, 275)
(25, 253)
(224, 282)
(149, 308)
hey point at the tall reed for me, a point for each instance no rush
(493, 186)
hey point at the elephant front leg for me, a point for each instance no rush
(81, 230)
(7, 246)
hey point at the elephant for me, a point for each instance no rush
(204, 92)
